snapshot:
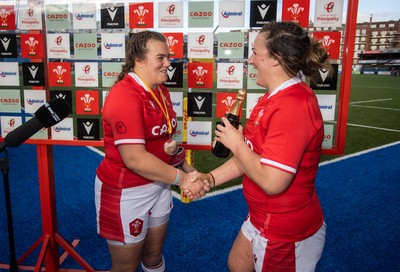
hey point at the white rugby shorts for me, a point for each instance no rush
(124, 215)
(269, 255)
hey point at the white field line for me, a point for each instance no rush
(353, 104)
(370, 101)
(378, 108)
(378, 128)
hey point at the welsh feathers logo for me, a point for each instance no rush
(200, 72)
(141, 13)
(295, 10)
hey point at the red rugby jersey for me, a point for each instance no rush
(286, 130)
(137, 120)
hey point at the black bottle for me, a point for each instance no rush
(218, 149)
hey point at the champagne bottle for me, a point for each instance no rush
(218, 149)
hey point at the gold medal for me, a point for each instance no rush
(170, 147)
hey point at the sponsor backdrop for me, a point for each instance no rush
(75, 51)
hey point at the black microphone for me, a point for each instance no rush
(46, 116)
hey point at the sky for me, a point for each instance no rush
(381, 10)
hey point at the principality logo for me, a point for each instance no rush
(171, 9)
(230, 70)
(58, 40)
(329, 7)
(200, 40)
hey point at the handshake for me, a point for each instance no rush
(197, 184)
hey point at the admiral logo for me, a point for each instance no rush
(35, 101)
(201, 14)
(171, 9)
(85, 45)
(325, 107)
(81, 16)
(112, 11)
(4, 74)
(227, 14)
(6, 42)
(194, 133)
(111, 45)
(59, 128)
(57, 16)
(263, 9)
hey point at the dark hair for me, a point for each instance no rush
(295, 50)
(136, 49)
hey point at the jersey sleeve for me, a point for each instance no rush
(127, 123)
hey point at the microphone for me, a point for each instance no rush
(46, 116)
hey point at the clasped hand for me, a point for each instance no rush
(196, 185)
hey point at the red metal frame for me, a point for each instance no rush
(345, 85)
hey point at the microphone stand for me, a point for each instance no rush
(5, 168)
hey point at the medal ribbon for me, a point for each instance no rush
(163, 106)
